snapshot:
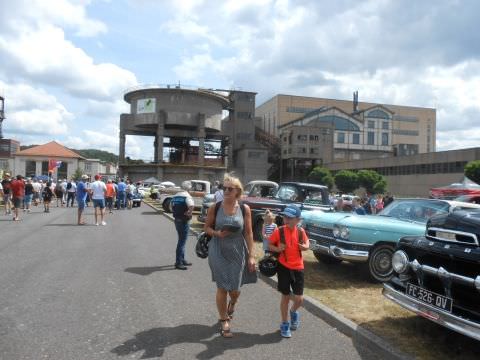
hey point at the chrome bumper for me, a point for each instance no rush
(339, 252)
(439, 316)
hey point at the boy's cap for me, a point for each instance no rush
(291, 211)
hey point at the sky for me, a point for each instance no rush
(65, 64)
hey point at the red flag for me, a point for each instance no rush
(52, 165)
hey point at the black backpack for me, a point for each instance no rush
(69, 185)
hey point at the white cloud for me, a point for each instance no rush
(34, 111)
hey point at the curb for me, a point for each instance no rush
(347, 327)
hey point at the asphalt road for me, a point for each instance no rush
(111, 292)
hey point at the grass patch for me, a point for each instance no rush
(346, 289)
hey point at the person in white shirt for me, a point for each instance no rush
(219, 194)
(71, 190)
(97, 192)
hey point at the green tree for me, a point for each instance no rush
(322, 176)
(77, 174)
(346, 181)
(380, 187)
(369, 180)
(472, 171)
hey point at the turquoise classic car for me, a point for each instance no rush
(335, 237)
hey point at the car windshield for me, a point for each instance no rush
(418, 210)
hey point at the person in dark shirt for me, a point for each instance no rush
(27, 200)
(7, 195)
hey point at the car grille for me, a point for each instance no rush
(318, 231)
(466, 299)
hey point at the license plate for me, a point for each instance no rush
(429, 297)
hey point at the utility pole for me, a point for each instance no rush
(2, 114)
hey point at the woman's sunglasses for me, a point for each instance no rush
(228, 188)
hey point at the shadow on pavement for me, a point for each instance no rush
(153, 342)
(150, 213)
(147, 270)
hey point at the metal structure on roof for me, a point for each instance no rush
(2, 115)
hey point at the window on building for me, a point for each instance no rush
(44, 167)
(356, 138)
(371, 124)
(30, 168)
(313, 137)
(371, 138)
(313, 150)
(385, 125)
(302, 137)
(62, 171)
(341, 138)
(285, 139)
(302, 150)
(384, 139)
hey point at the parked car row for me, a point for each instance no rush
(426, 251)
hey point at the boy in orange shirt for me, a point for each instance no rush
(290, 266)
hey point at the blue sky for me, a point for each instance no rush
(65, 64)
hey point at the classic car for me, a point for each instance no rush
(371, 239)
(474, 198)
(199, 188)
(437, 276)
(253, 189)
(260, 188)
(306, 196)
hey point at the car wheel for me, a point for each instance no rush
(380, 263)
(166, 206)
(326, 259)
(257, 230)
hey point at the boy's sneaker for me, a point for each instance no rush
(285, 329)
(294, 320)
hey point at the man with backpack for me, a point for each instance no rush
(71, 189)
(182, 207)
(289, 241)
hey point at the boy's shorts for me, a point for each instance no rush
(99, 203)
(290, 281)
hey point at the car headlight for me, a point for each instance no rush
(400, 262)
(336, 231)
(344, 232)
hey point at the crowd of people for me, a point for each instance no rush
(367, 205)
(20, 194)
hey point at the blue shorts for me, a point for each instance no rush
(98, 203)
(81, 203)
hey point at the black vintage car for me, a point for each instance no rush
(307, 196)
(437, 275)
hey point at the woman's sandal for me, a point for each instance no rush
(231, 309)
(226, 333)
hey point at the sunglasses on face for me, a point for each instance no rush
(228, 188)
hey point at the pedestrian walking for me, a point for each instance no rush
(6, 193)
(97, 191)
(59, 192)
(110, 195)
(47, 196)
(182, 208)
(121, 195)
(230, 254)
(27, 200)
(219, 194)
(17, 187)
(37, 190)
(290, 240)
(71, 190)
(129, 190)
(81, 198)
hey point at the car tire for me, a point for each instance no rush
(326, 259)
(257, 229)
(166, 206)
(380, 263)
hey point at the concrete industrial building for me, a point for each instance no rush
(316, 131)
(192, 137)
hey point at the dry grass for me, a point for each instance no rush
(346, 289)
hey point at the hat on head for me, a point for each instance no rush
(291, 211)
(7, 174)
(97, 177)
(186, 185)
(84, 176)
